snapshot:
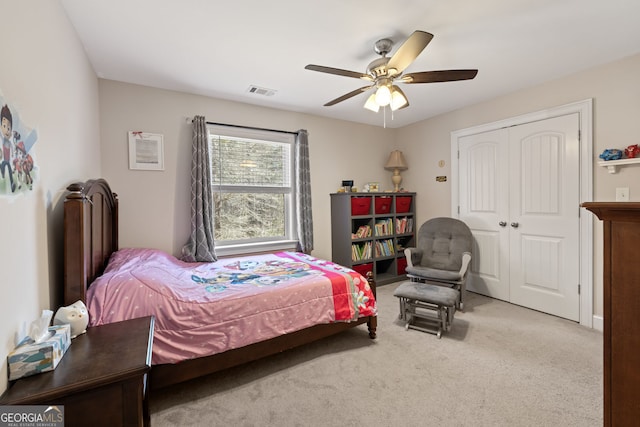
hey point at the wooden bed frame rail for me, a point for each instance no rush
(91, 236)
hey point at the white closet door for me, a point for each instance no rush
(519, 194)
(484, 204)
(543, 221)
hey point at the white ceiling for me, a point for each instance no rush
(219, 49)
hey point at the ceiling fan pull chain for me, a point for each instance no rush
(384, 113)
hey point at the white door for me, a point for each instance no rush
(519, 193)
(483, 206)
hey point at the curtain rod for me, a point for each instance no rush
(249, 127)
(252, 127)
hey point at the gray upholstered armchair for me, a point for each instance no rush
(442, 255)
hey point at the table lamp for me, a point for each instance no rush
(396, 163)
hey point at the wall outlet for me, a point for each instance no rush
(622, 194)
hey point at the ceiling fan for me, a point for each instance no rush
(384, 72)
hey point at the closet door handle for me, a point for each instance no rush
(515, 224)
(502, 224)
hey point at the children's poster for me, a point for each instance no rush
(18, 168)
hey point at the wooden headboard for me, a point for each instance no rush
(90, 235)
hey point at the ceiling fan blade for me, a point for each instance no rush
(348, 95)
(438, 76)
(338, 71)
(409, 51)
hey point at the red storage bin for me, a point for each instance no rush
(360, 205)
(402, 266)
(383, 205)
(363, 268)
(403, 204)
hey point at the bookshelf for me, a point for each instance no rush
(369, 232)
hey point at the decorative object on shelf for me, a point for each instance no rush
(632, 151)
(374, 187)
(347, 184)
(396, 163)
(611, 154)
(74, 315)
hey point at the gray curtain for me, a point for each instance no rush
(303, 193)
(200, 246)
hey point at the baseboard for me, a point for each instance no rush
(598, 323)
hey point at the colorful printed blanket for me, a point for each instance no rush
(208, 308)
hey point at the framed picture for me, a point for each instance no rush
(373, 187)
(146, 151)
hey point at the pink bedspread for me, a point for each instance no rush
(208, 308)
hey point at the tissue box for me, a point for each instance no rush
(30, 358)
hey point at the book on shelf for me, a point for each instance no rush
(404, 225)
(384, 248)
(384, 227)
(362, 232)
(389, 249)
(360, 251)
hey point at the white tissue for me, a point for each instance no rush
(39, 330)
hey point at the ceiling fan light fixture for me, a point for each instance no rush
(371, 103)
(383, 96)
(398, 99)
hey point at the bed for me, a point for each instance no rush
(334, 298)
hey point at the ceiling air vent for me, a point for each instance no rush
(261, 91)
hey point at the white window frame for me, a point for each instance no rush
(290, 240)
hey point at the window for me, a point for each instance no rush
(253, 182)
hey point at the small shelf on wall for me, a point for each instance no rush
(612, 165)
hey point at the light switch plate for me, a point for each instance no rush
(622, 194)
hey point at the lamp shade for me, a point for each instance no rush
(371, 103)
(396, 161)
(398, 99)
(383, 96)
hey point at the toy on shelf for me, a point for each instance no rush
(632, 151)
(611, 154)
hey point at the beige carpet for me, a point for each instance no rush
(500, 365)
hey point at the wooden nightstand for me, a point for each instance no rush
(101, 380)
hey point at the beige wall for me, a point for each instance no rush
(155, 204)
(616, 112)
(46, 79)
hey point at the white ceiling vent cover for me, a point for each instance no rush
(257, 90)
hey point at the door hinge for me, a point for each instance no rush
(578, 288)
(458, 209)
